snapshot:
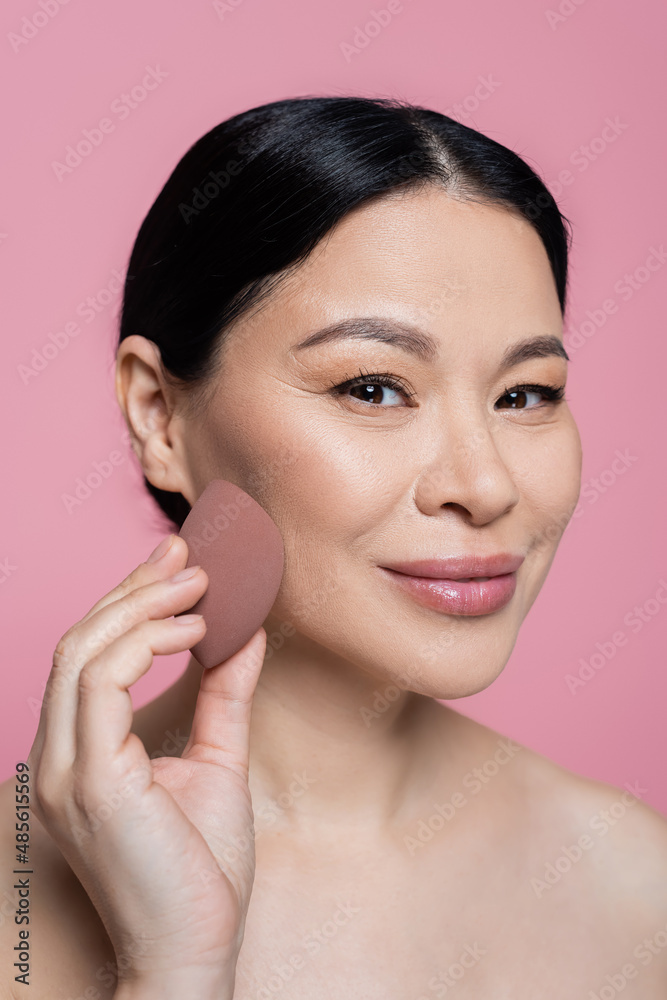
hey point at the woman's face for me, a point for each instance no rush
(442, 463)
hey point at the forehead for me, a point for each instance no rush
(428, 239)
(444, 263)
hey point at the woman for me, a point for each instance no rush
(353, 310)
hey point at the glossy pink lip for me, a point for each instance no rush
(459, 567)
(444, 584)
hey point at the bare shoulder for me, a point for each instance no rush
(568, 818)
(604, 863)
(567, 869)
(47, 919)
(625, 835)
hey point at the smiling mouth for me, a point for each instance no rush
(440, 584)
(467, 596)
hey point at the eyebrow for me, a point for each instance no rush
(388, 331)
(420, 344)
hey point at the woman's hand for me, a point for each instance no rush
(164, 847)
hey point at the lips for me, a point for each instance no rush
(461, 568)
(458, 585)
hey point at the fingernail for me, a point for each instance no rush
(161, 550)
(184, 574)
(187, 619)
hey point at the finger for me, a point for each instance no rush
(221, 723)
(104, 715)
(86, 641)
(173, 559)
(173, 554)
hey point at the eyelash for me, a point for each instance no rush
(551, 393)
(372, 378)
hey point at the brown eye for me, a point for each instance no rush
(372, 392)
(380, 389)
(517, 400)
(521, 396)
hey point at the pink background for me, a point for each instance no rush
(555, 80)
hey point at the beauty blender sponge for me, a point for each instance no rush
(241, 549)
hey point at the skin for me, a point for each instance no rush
(346, 898)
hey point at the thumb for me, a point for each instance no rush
(221, 723)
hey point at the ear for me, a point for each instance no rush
(148, 404)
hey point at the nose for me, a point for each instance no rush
(469, 474)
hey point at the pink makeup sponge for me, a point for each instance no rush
(240, 548)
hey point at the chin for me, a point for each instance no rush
(450, 656)
(396, 641)
(457, 681)
(462, 657)
(456, 672)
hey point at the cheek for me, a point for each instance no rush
(549, 480)
(313, 474)
(322, 481)
(327, 491)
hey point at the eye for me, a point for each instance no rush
(519, 397)
(380, 389)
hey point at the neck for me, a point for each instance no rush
(329, 743)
